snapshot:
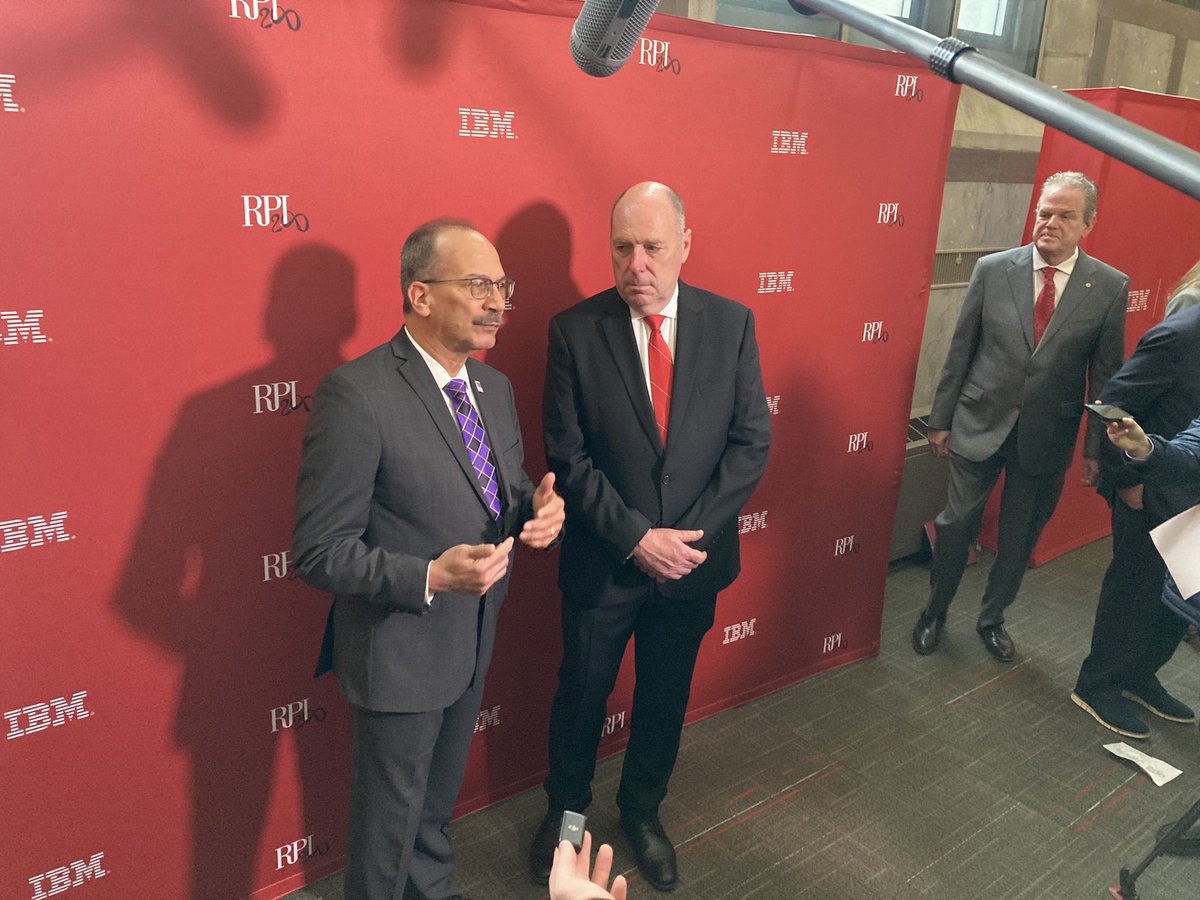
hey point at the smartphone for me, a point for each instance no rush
(1107, 411)
(571, 829)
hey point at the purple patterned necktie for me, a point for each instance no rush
(477, 445)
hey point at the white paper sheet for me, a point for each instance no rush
(1178, 543)
(1160, 772)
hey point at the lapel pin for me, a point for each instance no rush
(1086, 284)
(479, 387)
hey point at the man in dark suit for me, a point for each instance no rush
(1135, 634)
(657, 427)
(410, 494)
(1040, 325)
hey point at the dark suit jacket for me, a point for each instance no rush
(1159, 386)
(1174, 459)
(386, 486)
(994, 378)
(603, 446)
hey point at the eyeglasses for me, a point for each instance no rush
(481, 288)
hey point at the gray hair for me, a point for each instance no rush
(1079, 182)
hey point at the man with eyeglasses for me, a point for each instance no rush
(656, 424)
(411, 493)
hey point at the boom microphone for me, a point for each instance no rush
(606, 32)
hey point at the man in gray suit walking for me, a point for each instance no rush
(410, 495)
(1041, 326)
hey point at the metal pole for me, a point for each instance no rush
(959, 62)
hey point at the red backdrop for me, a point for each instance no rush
(202, 215)
(1145, 229)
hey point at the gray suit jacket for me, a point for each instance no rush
(994, 378)
(385, 486)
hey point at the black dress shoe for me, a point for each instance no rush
(541, 854)
(997, 642)
(652, 847)
(927, 635)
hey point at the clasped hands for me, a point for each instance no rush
(665, 555)
(474, 568)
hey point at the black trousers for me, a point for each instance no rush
(1026, 504)
(666, 636)
(1135, 633)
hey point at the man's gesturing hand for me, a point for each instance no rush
(548, 515)
(469, 569)
(664, 554)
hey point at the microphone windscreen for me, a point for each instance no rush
(604, 35)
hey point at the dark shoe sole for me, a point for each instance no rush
(1128, 695)
(1083, 704)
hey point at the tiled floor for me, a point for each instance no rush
(951, 776)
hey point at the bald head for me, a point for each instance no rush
(650, 242)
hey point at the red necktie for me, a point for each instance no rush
(661, 373)
(1044, 308)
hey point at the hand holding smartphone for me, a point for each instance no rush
(1107, 411)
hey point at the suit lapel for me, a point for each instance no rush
(617, 329)
(1020, 283)
(416, 374)
(689, 339)
(1079, 286)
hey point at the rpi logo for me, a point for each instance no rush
(280, 397)
(831, 643)
(656, 54)
(486, 123)
(844, 545)
(263, 210)
(266, 12)
(63, 878)
(906, 88)
(613, 723)
(304, 848)
(23, 329)
(294, 715)
(860, 443)
(889, 214)
(7, 103)
(873, 333)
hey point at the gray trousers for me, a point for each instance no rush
(1026, 505)
(407, 771)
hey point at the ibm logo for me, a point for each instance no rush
(265, 11)
(907, 89)
(831, 643)
(270, 210)
(280, 397)
(294, 715)
(41, 716)
(613, 724)
(22, 329)
(775, 282)
(7, 103)
(889, 214)
(789, 143)
(773, 404)
(756, 521)
(487, 718)
(844, 545)
(16, 532)
(860, 443)
(656, 54)
(739, 631)
(277, 566)
(873, 333)
(63, 878)
(1138, 301)
(296, 851)
(486, 123)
